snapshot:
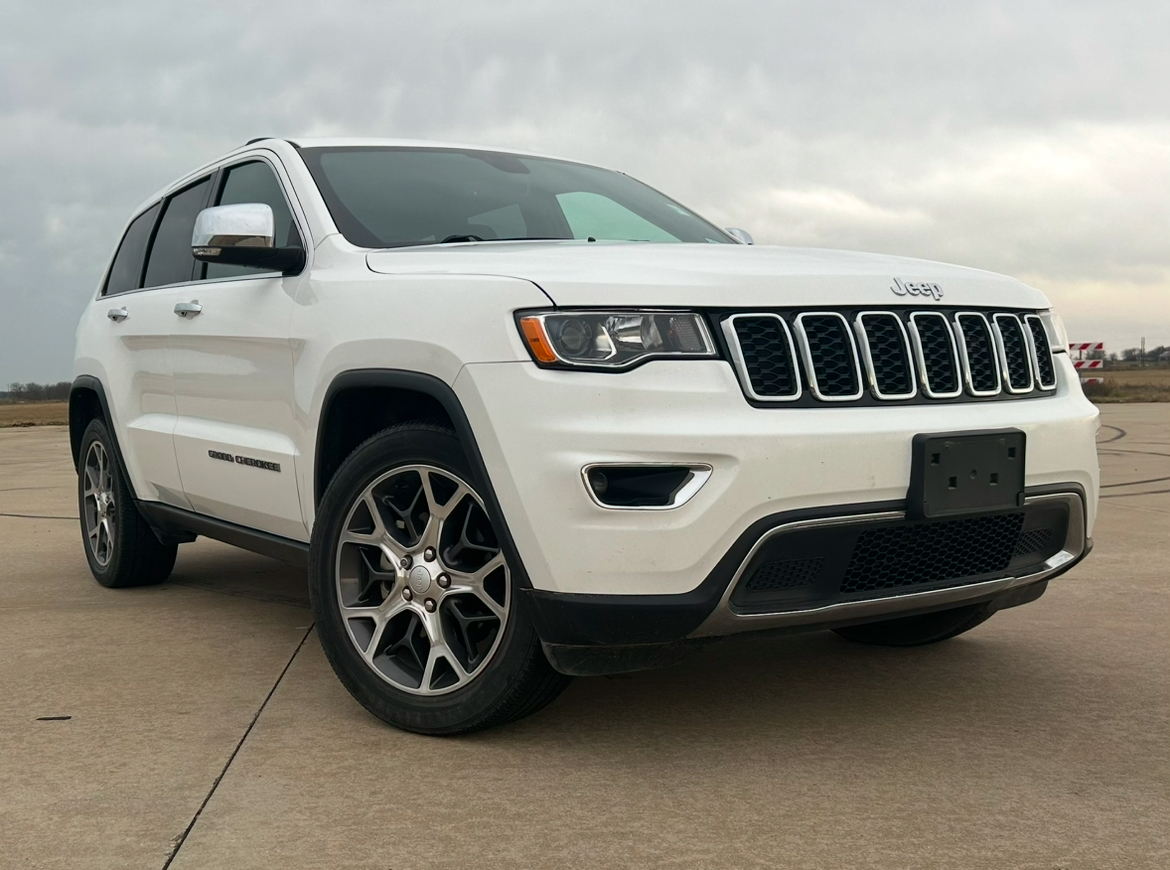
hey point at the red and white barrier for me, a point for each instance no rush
(1092, 380)
(1082, 346)
(1088, 364)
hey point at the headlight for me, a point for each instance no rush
(614, 339)
(1057, 334)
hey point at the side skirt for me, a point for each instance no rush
(180, 526)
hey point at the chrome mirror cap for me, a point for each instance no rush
(247, 225)
(741, 236)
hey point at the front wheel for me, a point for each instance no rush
(919, 630)
(414, 598)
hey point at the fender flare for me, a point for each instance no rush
(89, 382)
(442, 392)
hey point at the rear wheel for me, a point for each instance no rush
(120, 546)
(414, 598)
(919, 630)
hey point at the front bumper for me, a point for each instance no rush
(537, 429)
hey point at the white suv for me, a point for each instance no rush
(524, 418)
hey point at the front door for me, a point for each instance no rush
(233, 377)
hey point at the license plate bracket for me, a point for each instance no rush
(954, 473)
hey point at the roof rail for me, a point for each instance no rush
(266, 138)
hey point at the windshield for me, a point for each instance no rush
(391, 197)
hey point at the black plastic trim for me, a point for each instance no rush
(89, 382)
(173, 522)
(440, 391)
(574, 619)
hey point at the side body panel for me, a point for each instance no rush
(348, 319)
(233, 389)
(132, 360)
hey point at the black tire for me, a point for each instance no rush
(919, 630)
(126, 552)
(514, 681)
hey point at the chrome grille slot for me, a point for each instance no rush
(1041, 353)
(830, 356)
(978, 353)
(886, 351)
(938, 358)
(1012, 348)
(761, 346)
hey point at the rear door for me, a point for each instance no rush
(233, 373)
(133, 345)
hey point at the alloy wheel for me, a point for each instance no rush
(98, 505)
(422, 586)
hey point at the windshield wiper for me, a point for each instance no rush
(451, 240)
(471, 238)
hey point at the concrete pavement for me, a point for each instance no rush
(205, 716)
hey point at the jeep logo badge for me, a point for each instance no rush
(917, 288)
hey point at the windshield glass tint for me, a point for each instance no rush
(391, 197)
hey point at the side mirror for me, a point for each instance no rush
(741, 236)
(243, 235)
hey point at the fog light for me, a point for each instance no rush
(644, 486)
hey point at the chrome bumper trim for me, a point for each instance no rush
(724, 619)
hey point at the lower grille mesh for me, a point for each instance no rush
(785, 574)
(909, 555)
(1033, 541)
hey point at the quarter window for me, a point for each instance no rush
(255, 182)
(171, 261)
(126, 271)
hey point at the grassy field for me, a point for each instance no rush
(33, 414)
(1131, 385)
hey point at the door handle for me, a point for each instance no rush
(117, 314)
(188, 309)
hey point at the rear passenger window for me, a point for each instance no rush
(171, 260)
(255, 182)
(126, 271)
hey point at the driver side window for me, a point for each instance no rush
(254, 182)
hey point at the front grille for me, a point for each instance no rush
(766, 354)
(938, 359)
(830, 357)
(807, 357)
(911, 555)
(1013, 348)
(887, 355)
(977, 348)
(1041, 353)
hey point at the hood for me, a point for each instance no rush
(646, 275)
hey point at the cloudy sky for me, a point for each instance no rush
(1031, 138)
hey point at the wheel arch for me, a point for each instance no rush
(398, 396)
(87, 402)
